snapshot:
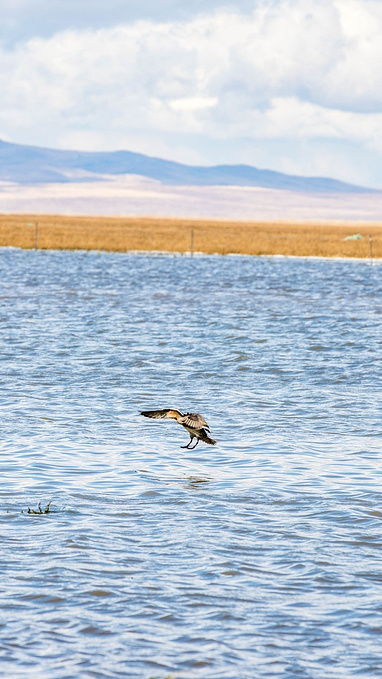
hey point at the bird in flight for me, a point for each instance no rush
(195, 424)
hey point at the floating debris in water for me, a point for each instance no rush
(40, 510)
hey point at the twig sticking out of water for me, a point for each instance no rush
(40, 510)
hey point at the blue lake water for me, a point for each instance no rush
(259, 557)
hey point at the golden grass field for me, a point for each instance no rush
(185, 235)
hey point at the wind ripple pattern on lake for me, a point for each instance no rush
(257, 558)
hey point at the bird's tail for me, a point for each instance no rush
(206, 438)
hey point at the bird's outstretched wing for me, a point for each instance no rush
(169, 413)
(194, 420)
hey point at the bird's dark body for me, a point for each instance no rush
(195, 424)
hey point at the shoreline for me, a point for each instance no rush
(333, 239)
(167, 253)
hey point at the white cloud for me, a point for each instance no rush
(289, 69)
(193, 103)
(291, 118)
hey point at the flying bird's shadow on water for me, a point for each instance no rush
(195, 480)
(168, 479)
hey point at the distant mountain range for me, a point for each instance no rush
(36, 165)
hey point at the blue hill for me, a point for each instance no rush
(33, 164)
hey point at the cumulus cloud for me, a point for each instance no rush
(288, 69)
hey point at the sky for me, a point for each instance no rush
(289, 85)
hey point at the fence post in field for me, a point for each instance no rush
(36, 235)
(371, 248)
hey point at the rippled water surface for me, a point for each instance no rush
(257, 558)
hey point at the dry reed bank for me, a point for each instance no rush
(185, 235)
